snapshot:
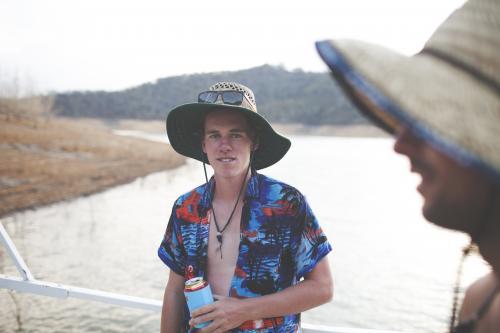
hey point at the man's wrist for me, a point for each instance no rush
(249, 309)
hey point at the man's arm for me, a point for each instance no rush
(173, 304)
(228, 312)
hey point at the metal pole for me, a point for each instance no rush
(14, 254)
(56, 290)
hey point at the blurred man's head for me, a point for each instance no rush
(443, 105)
(455, 196)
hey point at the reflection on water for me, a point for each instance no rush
(392, 270)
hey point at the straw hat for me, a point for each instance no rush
(449, 93)
(185, 127)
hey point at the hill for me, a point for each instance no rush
(282, 96)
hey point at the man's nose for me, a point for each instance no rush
(406, 141)
(225, 144)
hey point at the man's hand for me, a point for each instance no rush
(226, 313)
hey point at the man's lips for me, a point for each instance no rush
(424, 170)
(420, 167)
(226, 159)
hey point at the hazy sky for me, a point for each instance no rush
(114, 44)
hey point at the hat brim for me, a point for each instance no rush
(184, 129)
(441, 103)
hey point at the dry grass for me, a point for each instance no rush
(45, 160)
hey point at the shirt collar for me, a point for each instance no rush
(253, 186)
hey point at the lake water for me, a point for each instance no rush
(392, 270)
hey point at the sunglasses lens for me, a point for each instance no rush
(208, 97)
(232, 97)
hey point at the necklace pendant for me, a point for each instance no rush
(219, 237)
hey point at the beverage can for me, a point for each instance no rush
(198, 293)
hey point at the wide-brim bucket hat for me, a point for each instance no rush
(448, 94)
(185, 127)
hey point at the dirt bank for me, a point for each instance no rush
(45, 160)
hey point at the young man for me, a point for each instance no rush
(443, 106)
(254, 239)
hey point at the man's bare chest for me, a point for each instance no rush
(223, 254)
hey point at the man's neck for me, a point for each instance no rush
(227, 189)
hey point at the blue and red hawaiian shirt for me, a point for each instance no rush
(280, 242)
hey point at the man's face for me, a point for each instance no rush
(455, 196)
(227, 143)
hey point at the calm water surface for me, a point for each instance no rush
(392, 270)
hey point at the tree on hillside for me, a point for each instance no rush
(282, 96)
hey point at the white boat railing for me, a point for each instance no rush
(28, 284)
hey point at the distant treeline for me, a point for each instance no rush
(281, 95)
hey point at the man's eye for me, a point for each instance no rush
(236, 135)
(213, 136)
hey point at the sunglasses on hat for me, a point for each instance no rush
(231, 97)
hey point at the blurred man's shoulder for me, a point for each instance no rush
(475, 296)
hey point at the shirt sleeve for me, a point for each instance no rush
(313, 242)
(171, 250)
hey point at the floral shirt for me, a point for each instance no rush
(280, 242)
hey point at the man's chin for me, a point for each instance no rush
(435, 216)
(431, 217)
